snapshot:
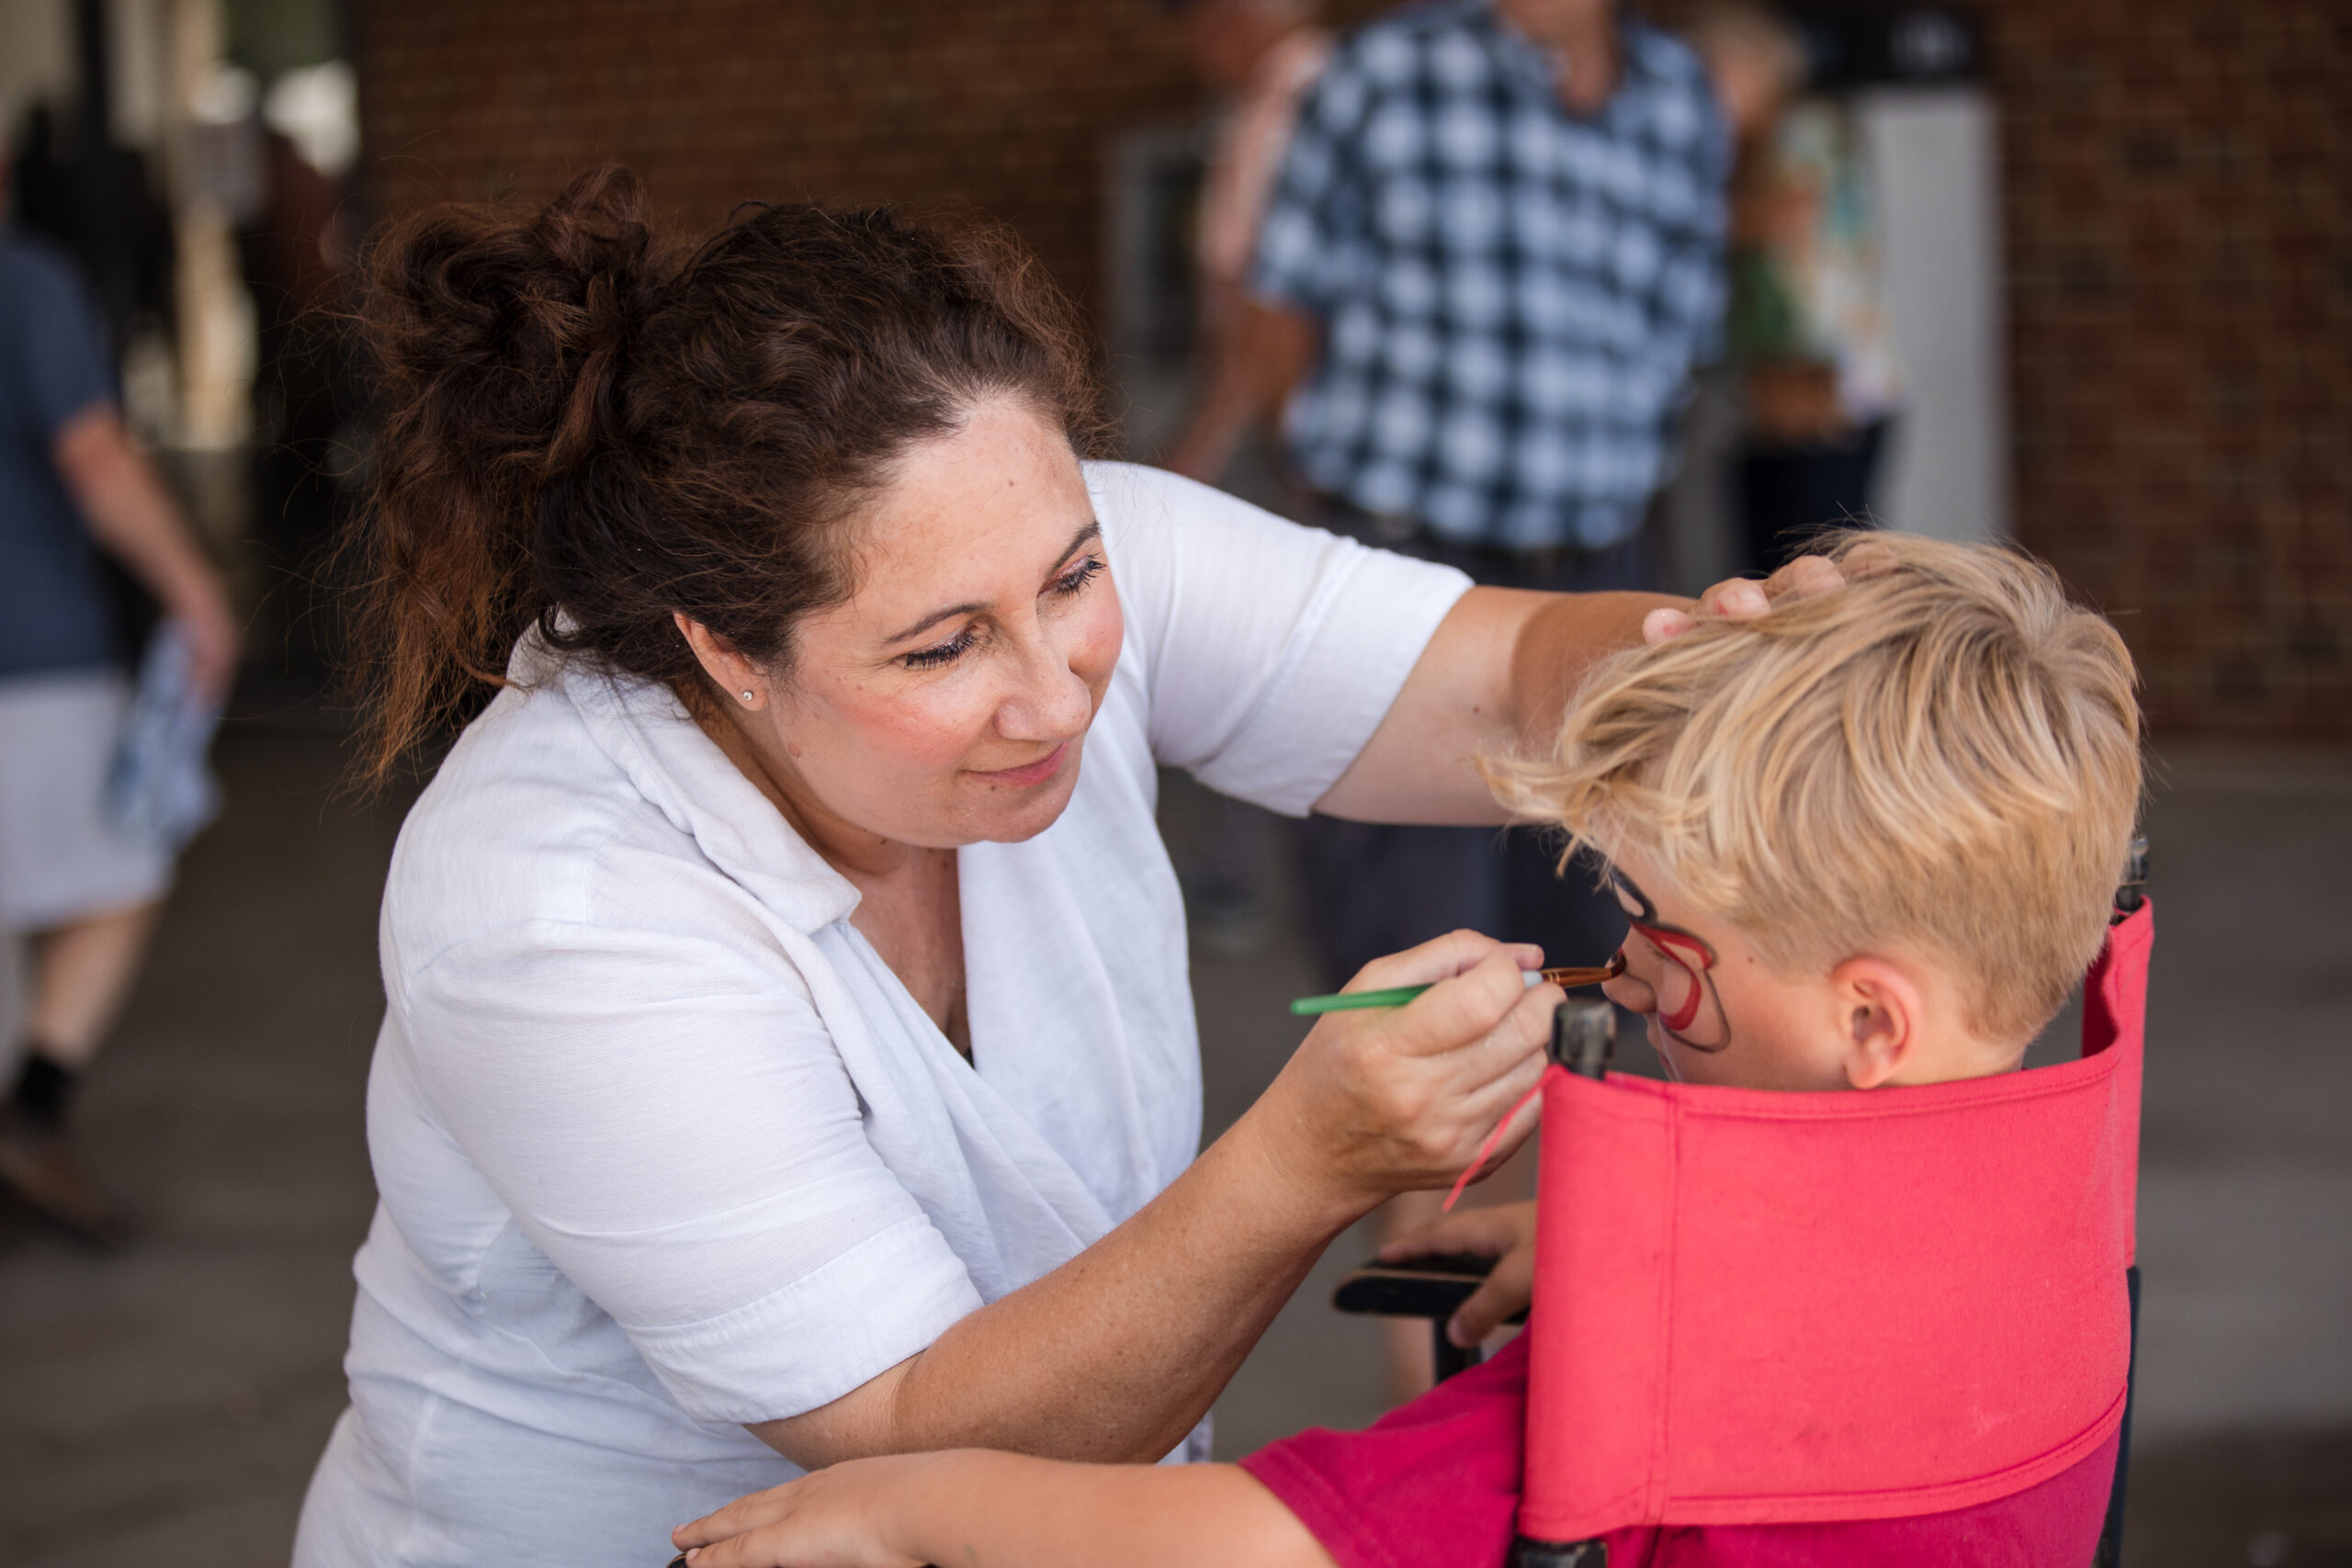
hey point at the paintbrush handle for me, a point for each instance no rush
(1397, 996)
(1349, 1001)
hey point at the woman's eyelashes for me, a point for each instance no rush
(1082, 573)
(941, 653)
(1068, 583)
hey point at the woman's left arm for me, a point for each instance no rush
(1496, 677)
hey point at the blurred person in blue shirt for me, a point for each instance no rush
(1491, 258)
(74, 881)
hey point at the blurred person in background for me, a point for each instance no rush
(1489, 264)
(1806, 335)
(1489, 261)
(74, 881)
(1258, 57)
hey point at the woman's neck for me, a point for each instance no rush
(858, 854)
(909, 903)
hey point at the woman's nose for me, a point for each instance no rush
(1051, 701)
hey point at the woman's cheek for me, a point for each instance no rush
(1100, 632)
(929, 732)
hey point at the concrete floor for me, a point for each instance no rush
(166, 1405)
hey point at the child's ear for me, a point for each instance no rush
(1880, 1011)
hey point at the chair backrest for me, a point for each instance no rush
(1759, 1308)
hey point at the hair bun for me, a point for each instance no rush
(512, 326)
(596, 232)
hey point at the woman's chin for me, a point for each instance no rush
(1010, 816)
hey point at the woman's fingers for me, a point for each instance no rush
(1385, 1101)
(1744, 598)
(1496, 1103)
(1442, 958)
(1471, 1008)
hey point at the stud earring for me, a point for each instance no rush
(747, 697)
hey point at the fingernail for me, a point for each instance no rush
(1453, 1334)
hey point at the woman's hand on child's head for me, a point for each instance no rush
(1744, 598)
(1506, 1233)
(829, 1518)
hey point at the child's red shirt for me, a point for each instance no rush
(1435, 1484)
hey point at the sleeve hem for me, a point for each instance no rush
(1415, 597)
(827, 1333)
(1301, 1488)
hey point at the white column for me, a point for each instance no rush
(1935, 160)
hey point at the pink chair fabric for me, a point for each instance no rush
(1758, 1308)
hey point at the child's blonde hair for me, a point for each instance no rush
(1943, 755)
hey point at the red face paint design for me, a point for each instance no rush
(1680, 947)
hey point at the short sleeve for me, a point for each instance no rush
(58, 365)
(1272, 651)
(1306, 240)
(664, 1115)
(1432, 1484)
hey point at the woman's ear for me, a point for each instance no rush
(736, 676)
(1880, 1011)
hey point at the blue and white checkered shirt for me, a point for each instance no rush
(1510, 297)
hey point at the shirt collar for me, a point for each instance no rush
(647, 732)
(1529, 65)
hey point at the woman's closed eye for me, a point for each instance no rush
(1071, 583)
(1083, 571)
(940, 653)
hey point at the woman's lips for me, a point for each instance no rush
(1035, 772)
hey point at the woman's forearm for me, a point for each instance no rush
(1117, 1354)
(1497, 679)
(1557, 645)
(1493, 680)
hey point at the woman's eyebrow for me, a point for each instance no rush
(1088, 534)
(932, 619)
(1091, 531)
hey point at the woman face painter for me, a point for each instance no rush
(788, 1052)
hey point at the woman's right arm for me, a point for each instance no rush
(1118, 1353)
(672, 1126)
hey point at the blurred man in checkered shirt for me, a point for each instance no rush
(1491, 256)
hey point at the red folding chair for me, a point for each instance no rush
(1856, 1312)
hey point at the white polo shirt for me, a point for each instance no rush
(664, 1147)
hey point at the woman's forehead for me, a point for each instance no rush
(968, 515)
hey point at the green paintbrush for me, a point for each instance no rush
(1397, 996)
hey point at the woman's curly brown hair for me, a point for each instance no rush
(586, 431)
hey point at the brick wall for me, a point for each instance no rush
(2179, 210)
(2178, 175)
